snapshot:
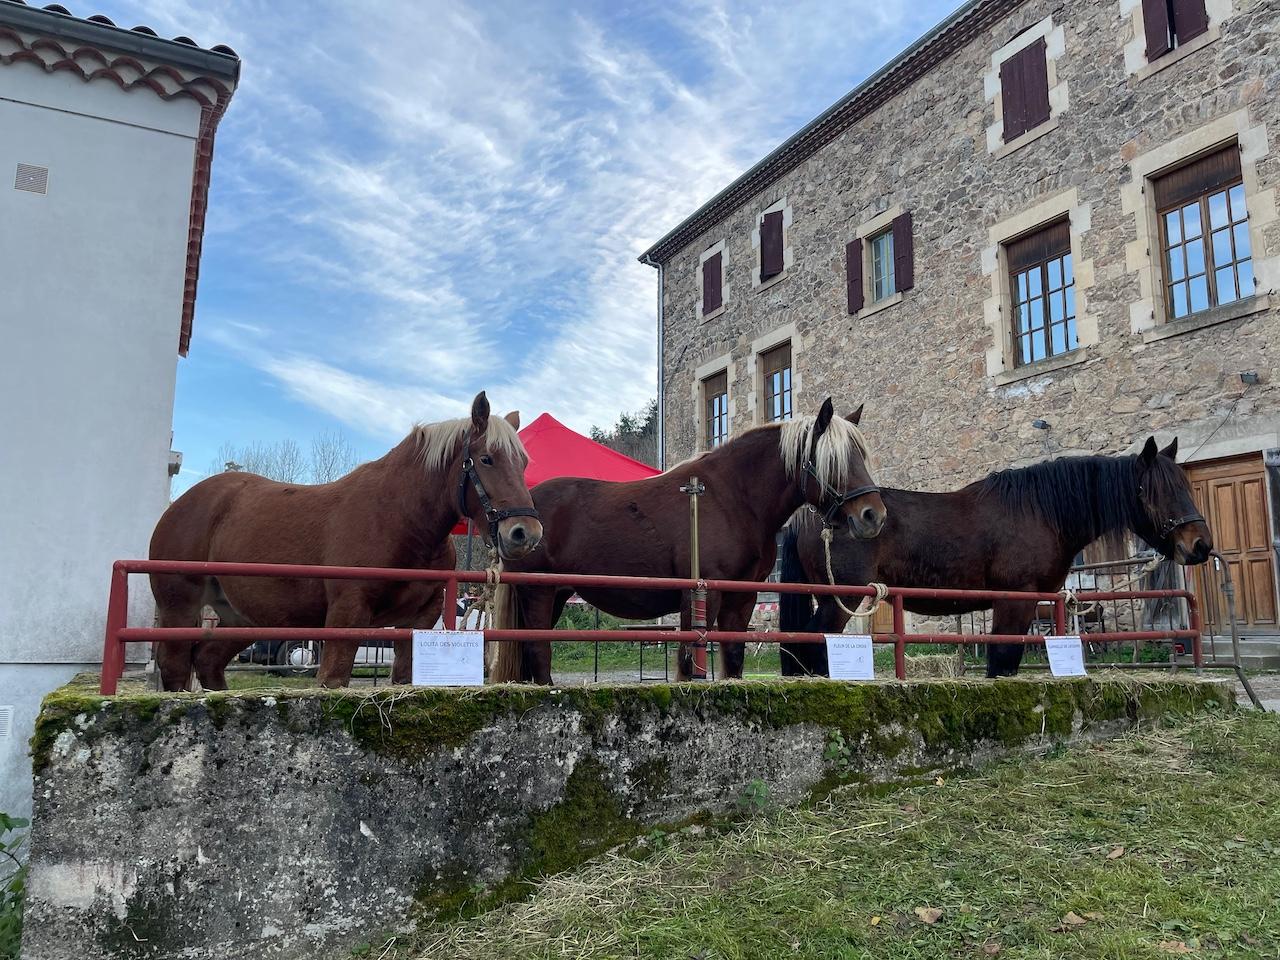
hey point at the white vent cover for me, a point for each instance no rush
(6, 722)
(31, 178)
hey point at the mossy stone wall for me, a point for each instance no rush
(296, 824)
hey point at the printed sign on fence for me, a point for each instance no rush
(1066, 656)
(448, 658)
(849, 657)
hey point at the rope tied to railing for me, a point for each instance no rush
(1075, 607)
(492, 580)
(868, 605)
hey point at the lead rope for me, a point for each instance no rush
(1076, 609)
(869, 605)
(492, 578)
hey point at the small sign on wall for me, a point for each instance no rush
(850, 657)
(448, 658)
(1066, 656)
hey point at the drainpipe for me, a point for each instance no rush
(662, 450)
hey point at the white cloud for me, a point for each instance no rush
(480, 181)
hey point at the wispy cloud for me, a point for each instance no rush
(427, 198)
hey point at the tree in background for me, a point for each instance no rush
(332, 456)
(635, 434)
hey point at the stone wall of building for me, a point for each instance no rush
(943, 405)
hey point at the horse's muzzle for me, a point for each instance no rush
(1197, 554)
(518, 536)
(866, 523)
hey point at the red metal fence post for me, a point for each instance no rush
(1060, 616)
(117, 619)
(899, 645)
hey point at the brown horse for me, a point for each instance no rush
(753, 483)
(1014, 530)
(396, 511)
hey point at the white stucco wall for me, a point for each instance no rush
(91, 288)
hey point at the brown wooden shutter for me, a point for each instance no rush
(1190, 19)
(1011, 98)
(904, 255)
(1206, 175)
(853, 273)
(1035, 85)
(1155, 18)
(771, 245)
(711, 297)
(1045, 244)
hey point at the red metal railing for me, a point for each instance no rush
(118, 633)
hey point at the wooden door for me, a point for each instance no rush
(1232, 495)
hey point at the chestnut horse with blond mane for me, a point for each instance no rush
(396, 511)
(753, 483)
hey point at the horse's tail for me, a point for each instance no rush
(505, 665)
(794, 609)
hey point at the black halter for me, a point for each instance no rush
(491, 513)
(1173, 523)
(836, 498)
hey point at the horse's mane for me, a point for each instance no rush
(1092, 496)
(835, 450)
(436, 441)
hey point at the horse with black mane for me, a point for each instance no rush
(1017, 529)
(396, 511)
(754, 482)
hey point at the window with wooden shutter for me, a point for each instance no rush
(711, 272)
(1024, 90)
(771, 259)
(882, 266)
(1042, 288)
(715, 406)
(1206, 252)
(1169, 24)
(853, 274)
(775, 382)
(904, 256)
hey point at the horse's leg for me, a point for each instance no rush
(734, 615)
(810, 659)
(1008, 617)
(402, 665)
(540, 608)
(684, 652)
(350, 608)
(174, 660)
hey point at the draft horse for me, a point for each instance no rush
(396, 511)
(753, 483)
(1016, 529)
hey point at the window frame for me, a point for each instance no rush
(786, 385)
(890, 275)
(711, 417)
(1058, 252)
(1205, 240)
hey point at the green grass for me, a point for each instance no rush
(1157, 844)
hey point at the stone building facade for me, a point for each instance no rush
(1014, 126)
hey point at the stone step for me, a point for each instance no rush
(1256, 653)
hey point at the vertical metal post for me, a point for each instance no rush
(899, 644)
(450, 612)
(596, 651)
(698, 601)
(117, 617)
(1060, 615)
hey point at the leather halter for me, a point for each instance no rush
(491, 513)
(836, 498)
(1167, 527)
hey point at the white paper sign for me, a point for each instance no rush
(849, 657)
(1066, 656)
(448, 658)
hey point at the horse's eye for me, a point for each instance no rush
(486, 460)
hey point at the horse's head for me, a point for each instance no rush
(491, 488)
(828, 457)
(1169, 519)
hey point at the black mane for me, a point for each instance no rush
(1079, 497)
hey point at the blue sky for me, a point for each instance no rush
(412, 201)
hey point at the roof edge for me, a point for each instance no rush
(221, 62)
(915, 61)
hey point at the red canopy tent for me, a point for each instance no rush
(556, 451)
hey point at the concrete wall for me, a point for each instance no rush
(301, 824)
(92, 277)
(945, 404)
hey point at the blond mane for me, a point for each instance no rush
(437, 441)
(833, 458)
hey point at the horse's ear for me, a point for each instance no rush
(856, 417)
(1171, 451)
(513, 418)
(480, 412)
(1149, 452)
(825, 413)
